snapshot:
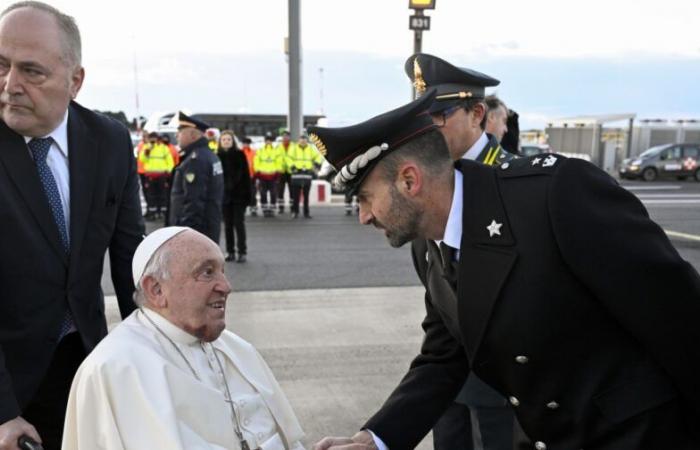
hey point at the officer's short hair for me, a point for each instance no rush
(429, 150)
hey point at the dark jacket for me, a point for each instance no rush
(580, 312)
(236, 177)
(198, 189)
(38, 282)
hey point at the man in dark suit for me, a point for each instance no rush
(68, 192)
(590, 335)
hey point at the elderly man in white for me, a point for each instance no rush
(170, 376)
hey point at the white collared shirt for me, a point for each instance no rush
(478, 146)
(57, 160)
(453, 229)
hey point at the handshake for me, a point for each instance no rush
(362, 440)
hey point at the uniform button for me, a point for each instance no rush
(514, 401)
(246, 422)
(553, 405)
(427, 258)
(504, 166)
(539, 445)
(522, 359)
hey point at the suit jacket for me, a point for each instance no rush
(38, 281)
(580, 312)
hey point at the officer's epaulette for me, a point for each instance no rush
(543, 164)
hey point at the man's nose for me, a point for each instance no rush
(364, 215)
(12, 82)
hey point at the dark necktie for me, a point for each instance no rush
(40, 150)
(448, 255)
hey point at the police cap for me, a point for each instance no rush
(185, 121)
(452, 83)
(353, 151)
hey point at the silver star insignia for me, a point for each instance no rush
(536, 161)
(494, 228)
(549, 161)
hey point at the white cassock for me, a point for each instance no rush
(136, 392)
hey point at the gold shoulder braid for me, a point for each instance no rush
(318, 143)
(418, 81)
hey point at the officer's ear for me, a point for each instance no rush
(409, 179)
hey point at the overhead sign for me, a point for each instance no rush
(419, 23)
(421, 4)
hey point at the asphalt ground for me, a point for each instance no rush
(336, 312)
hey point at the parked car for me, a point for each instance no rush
(664, 161)
(534, 149)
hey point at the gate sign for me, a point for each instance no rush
(419, 23)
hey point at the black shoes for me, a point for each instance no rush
(241, 258)
(230, 257)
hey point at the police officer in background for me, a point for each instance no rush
(198, 183)
(462, 115)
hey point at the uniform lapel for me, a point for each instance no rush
(82, 160)
(492, 153)
(14, 155)
(485, 261)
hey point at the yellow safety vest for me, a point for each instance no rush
(268, 160)
(156, 158)
(303, 158)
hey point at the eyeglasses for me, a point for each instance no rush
(446, 113)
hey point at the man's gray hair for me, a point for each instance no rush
(66, 23)
(157, 267)
(493, 102)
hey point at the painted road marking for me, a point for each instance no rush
(661, 187)
(691, 237)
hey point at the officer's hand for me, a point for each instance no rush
(11, 431)
(361, 441)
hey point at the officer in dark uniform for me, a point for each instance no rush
(591, 337)
(198, 183)
(461, 117)
(460, 111)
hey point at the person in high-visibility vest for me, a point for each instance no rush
(268, 166)
(249, 153)
(212, 135)
(285, 176)
(303, 161)
(157, 163)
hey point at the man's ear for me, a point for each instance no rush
(153, 291)
(410, 179)
(478, 113)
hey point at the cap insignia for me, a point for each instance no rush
(318, 143)
(418, 81)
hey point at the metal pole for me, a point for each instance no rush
(295, 121)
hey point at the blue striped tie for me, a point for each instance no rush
(40, 150)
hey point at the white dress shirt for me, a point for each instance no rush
(475, 149)
(57, 160)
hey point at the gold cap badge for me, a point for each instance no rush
(318, 143)
(418, 81)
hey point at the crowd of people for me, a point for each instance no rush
(273, 172)
(531, 268)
